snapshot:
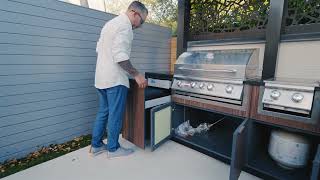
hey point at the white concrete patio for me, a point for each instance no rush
(171, 161)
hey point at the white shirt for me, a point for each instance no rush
(114, 46)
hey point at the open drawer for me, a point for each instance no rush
(217, 142)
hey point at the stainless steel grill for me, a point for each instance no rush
(215, 74)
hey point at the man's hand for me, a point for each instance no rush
(141, 81)
(127, 66)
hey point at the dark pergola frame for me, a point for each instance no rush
(275, 32)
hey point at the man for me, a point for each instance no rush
(111, 78)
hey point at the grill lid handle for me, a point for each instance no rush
(210, 70)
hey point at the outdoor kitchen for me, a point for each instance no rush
(213, 92)
(250, 99)
(244, 90)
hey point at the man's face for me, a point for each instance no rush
(139, 19)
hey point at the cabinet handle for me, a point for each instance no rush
(241, 129)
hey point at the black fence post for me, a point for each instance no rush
(183, 25)
(273, 33)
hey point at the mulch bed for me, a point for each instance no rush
(42, 155)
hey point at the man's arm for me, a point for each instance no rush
(120, 52)
(127, 66)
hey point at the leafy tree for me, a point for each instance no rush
(162, 12)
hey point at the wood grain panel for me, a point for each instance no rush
(236, 110)
(207, 105)
(133, 126)
(173, 53)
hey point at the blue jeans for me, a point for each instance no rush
(112, 103)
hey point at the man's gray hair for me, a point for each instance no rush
(136, 5)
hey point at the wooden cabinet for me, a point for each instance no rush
(134, 123)
(137, 124)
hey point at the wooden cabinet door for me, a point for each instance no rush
(134, 124)
(239, 145)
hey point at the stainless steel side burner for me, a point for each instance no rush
(289, 95)
(290, 98)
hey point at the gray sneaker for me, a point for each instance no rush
(120, 152)
(96, 151)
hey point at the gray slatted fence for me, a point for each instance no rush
(47, 63)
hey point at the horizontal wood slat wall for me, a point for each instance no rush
(173, 53)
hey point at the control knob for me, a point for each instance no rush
(275, 94)
(179, 83)
(201, 85)
(210, 87)
(297, 97)
(193, 84)
(229, 89)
